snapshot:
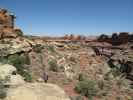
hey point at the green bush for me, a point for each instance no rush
(14, 60)
(53, 65)
(101, 84)
(115, 72)
(77, 98)
(86, 88)
(2, 90)
(81, 77)
(51, 48)
(37, 48)
(27, 76)
(25, 59)
(3, 60)
(19, 62)
(19, 32)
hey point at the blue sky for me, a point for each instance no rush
(59, 17)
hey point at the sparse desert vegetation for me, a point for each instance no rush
(84, 68)
(2, 90)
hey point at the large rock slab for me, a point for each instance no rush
(16, 80)
(36, 91)
(17, 45)
(6, 70)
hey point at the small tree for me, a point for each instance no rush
(19, 62)
(53, 65)
(103, 38)
(86, 88)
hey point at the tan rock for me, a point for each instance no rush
(16, 80)
(6, 70)
(13, 46)
(36, 91)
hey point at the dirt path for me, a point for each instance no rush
(69, 89)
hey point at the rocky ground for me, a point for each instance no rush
(24, 62)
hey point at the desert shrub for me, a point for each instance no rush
(3, 60)
(25, 59)
(86, 88)
(65, 81)
(123, 83)
(51, 48)
(118, 98)
(2, 90)
(72, 59)
(108, 76)
(37, 48)
(27, 76)
(115, 72)
(19, 62)
(81, 77)
(77, 98)
(101, 84)
(15, 60)
(19, 32)
(53, 65)
(61, 68)
(119, 82)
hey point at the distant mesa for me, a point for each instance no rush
(7, 30)
(116, 38)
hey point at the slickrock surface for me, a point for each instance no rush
(36, 91)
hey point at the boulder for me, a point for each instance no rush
(6, 71)
(16, 80)
(20, 44)
(6, 74)
(36, 91)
